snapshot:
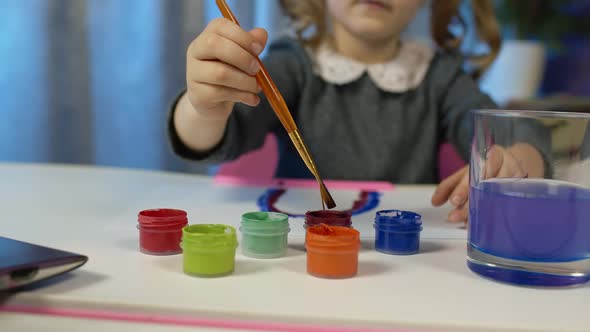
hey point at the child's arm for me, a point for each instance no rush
(460, 95)
(220, 67)
(198, 133)
(212, 122)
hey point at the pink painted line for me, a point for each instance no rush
(180, 320)
(302, 183)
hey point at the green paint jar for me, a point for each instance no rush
(209, 250)
(264, 234)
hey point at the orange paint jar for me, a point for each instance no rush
(332, 251)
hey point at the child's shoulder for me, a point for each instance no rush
(286, 43)
(446, 64)
(287, 46)
(288, 51)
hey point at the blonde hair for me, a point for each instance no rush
(309, 18)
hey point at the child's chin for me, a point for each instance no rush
(374, 30)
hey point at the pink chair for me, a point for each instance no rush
(249, 165)
(449, 161)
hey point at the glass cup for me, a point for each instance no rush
(529, 201)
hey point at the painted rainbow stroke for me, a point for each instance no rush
(366, 201)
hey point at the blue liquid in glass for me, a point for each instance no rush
(535, 220)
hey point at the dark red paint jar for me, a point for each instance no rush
(160, 231)
(328, 217)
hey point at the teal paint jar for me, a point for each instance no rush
(264, 234)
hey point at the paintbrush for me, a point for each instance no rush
(280, 108)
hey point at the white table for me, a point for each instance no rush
(93, 211)
(24, 322)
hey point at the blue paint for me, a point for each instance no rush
(372, 201)
(367, 201)
(526, 278)
(263, 201)
(531, 220)
(520, 228)
(397, 232)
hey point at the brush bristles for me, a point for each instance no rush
(326, 197)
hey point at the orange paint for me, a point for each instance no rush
(332, 251)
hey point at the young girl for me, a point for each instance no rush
(369, 105)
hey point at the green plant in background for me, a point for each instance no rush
(547, 21)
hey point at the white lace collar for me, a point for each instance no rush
(401, 74)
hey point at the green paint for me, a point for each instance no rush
(264, 234)
(209, 250)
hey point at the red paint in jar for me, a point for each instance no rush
(160, 231)
(328, 217)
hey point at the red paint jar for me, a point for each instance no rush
(328, 217)
(160, 231)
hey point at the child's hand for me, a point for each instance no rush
(221, 68)
(455, 189)
(501, 163)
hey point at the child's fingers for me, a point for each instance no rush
(460, 193)
(459, 214)
(211, 46)
(494, 162)
(217, 73)
(209, 96)
(260, 35)
(511, 167)
(446, 187)
(233, 32)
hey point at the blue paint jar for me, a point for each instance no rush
(397, 232)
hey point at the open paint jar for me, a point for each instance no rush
(332, 251)
(397, 232)
(264, 234)
(209, 250)
(530, 225)
(328, 217)
(160, 231)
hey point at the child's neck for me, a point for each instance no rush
(364, 51)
